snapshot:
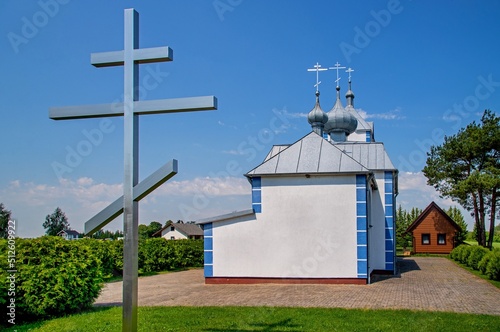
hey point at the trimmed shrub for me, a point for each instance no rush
(464, 254)
(483, 263)
(475, 256)
(493, 265)
(159, 254)
(110, 253)
(55, 277)
(455, 253)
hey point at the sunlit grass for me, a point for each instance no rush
(232, 319)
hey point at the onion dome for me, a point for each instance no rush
(317, 117)
(341, 123)
(349, 96)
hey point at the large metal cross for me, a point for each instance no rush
(130, 58)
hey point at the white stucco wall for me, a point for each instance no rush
(357, 136)
(167, 234)
(307, 228)
(377, 231)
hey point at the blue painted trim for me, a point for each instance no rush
(390, 243)
(368, 136)
(257, 194)
(361, 238)
(362, 253)
(362, 268)
(361, 180)
(256, 183)
(360, 223)
(209, 271)
(208, 256)
(208, 245)
(361, 227)
(207, 229)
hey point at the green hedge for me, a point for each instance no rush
(56, 277)
(159, 254)
(479, 258)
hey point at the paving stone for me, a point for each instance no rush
(423, 283)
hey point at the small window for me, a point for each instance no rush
(172, 238)
(172, 228)
(441, 239)
(426, 239)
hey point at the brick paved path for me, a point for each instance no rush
(424, 283)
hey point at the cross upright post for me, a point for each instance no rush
(131, 108)
(131, 176)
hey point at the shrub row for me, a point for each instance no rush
(159, 254)
(479, 258)
(55, 276)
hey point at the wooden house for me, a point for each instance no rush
(433, 231)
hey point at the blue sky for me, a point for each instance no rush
(423, 69)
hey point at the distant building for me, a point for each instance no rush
(433, 231)
(69, 234)
(322, 209)
(179, 231)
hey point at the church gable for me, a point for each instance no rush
(309, 155)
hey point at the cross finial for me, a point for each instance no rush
(317, 68)
(337, 67)
(349, 71)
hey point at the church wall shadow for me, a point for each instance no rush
(403, 265)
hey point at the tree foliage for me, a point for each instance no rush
(106, 234)
(466, 168)
(456, 215)
(403, 221)
(146, 232)
(56, 222)
(4, 221)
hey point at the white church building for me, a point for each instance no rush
(322, 209)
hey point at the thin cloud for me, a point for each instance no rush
(394, 114)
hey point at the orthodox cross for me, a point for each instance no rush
(131, 108)
(337, 67)
(317, 68)
(349, 71)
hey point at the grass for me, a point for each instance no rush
(271, 319)
(495, 244)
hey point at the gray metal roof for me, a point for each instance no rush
(313, 154)
(362, 123)
(227, 216)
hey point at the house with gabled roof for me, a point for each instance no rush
(69, 234)
(322, 210)
(433, 231)
(179, 231)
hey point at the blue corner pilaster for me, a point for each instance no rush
(390, 243)
(257, 194)
(361, 226)
(208, 251)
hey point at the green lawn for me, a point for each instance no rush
(233, 319)
(495, 244)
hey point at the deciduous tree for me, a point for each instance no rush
(55, 222)
(4, 221)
